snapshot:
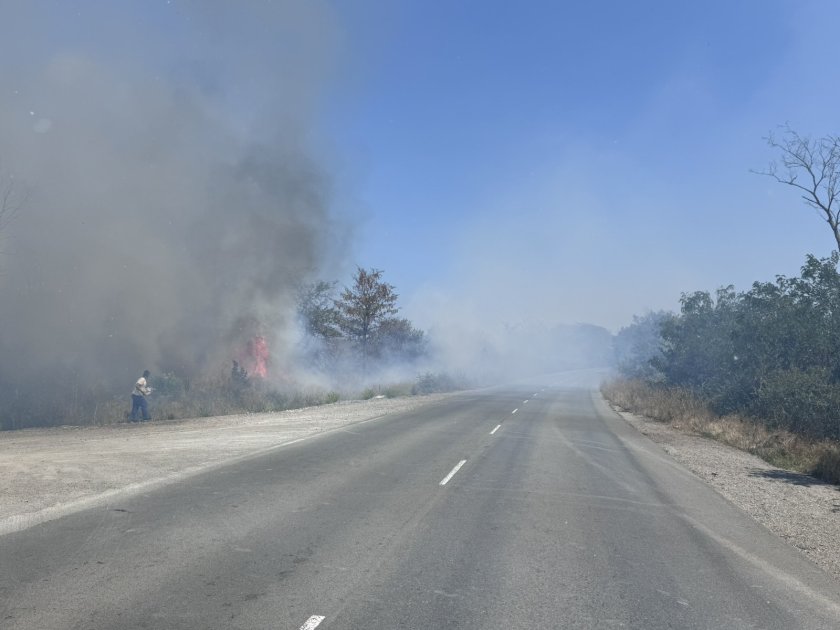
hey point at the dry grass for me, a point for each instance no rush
(215, 394)
(682, 409)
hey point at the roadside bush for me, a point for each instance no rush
(398, 389)
(803, 401)
(168, 385)
(828, 464)
(658, 402)
(683, 409)
(637, 345)
(772, 353)
(437, 382)
(223, 392)
(368, 393)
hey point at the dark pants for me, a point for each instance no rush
(138, 403)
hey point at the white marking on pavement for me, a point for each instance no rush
(498, 426)
(452, 473)
(312, 622)
(524, 402)
(514, 411)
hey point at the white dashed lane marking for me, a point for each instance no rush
(514, 411)
(312, 622)
(452, 472)
(498, 426)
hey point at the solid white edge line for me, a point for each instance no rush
(498, 426)
(514, 411)
(312, 622)
(452, 473)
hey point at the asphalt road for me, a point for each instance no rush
(529, 506)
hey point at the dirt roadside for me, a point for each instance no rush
(801, 509)
(48, 473)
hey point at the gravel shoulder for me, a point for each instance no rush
(801, 509)
(47, 473)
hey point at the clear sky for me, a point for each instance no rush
(536, 161)
(576, 161)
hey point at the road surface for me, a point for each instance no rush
(526, 506)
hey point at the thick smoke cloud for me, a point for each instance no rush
(174, 202)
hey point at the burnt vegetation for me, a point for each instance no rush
(348, 339)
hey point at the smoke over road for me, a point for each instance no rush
(173, 205)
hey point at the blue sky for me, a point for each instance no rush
(538, 161)
(558, 161)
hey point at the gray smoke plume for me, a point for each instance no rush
(174, 202)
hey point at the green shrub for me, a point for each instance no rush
(168, 385)
(431, 382)
(802, 401)
(398, 389)
(828, 464)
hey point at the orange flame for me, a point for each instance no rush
(255, 357)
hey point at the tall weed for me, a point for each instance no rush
(687, 411)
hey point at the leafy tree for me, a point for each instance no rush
(791, 346)
(811, 165)
(636, 345)
(397, 339)
(317, 311)
(319, 318)
(362, 309)
(772, 352)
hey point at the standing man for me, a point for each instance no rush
(138, 397)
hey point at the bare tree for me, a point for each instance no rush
(812, 166)
(12, 199)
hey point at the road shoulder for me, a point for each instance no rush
(802, 510)
(48, 473)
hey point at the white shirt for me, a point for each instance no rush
(140, 388)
